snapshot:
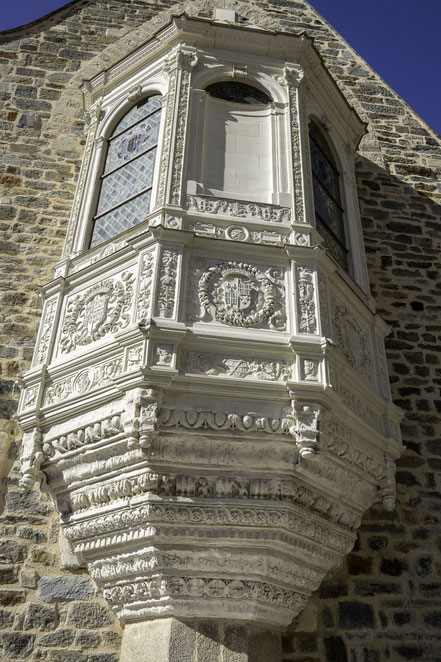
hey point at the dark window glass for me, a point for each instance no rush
(327, 200)
(126, 182)
(230, 90)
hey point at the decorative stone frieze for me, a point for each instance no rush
(206, 405)
(209, 205)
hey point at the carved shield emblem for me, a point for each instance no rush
(237, 293)
(95, 312)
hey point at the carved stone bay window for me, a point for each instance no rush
(208, 402)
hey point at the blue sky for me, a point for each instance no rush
(401, 39)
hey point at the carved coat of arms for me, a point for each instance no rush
(239, 294)
(102, 309)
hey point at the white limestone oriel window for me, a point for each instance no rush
(126, 180)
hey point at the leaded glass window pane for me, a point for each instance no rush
(233, 91)
(327, 199)
(126, 182)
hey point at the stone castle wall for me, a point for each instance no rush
(384, 604)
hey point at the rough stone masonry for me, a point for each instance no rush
(383, 605)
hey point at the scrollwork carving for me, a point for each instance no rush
(252, 210)
(352, 340)
(215, 364)
(46, 331)
(84, 436)
(307, 316)
(140, 416)
(100, 310)
(193, 419)
(165, 300)
(239, 294)
(83, 381)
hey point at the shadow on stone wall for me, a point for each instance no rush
(383, 605)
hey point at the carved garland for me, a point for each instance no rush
(253, 281)
(100, 310)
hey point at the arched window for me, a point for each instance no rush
(127, 177)
(327, 199)
(237, 154)
(238, 93)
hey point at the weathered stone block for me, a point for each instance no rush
(58, 638)
(51, 589)
(90, 615)
(335, 649)
(9, 598)
(12, 551)
(40, 618)
(8, 574)
(354, 615)
(17, 645)
(102, 657)
(29, 578)
(6, 619)
(87, 639)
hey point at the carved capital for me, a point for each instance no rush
(140, 417)
(294, 75)
(306, 427)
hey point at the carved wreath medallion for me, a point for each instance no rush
(102, 309)
(240, 294)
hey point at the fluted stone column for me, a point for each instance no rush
(170, 640)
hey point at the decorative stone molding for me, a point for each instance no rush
(306, 299)
(307, 427)
(210, 205)
(82, 381)
(293, 76)
(46, 332)
(146, 284)
(202, 363)
(186, 61)
(140, 417)
(352, 340)
(194, 419)
(236, 233)
(166, 297)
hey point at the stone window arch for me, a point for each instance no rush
(328, 197)
(127, 174)
(239, 149)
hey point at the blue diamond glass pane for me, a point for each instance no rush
(337, 251)
(120, 219)
(329, 211)
(137, 113)
(122, 184)
(325, 172)
(133, 142)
